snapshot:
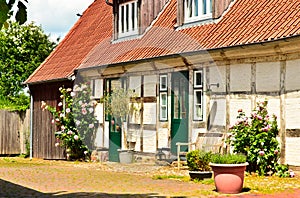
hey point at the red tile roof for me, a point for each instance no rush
(247, 21)
(94, 26)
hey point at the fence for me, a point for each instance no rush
(14, 132)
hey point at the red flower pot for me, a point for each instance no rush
(229, 178)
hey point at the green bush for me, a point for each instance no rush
(75, 121)
(255, 137)
(228, 158)
(198, 160)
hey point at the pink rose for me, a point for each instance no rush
(261, 153)
(76, 137)
(84, 111)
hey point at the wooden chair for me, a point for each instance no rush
(207, 141)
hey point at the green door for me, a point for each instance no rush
(114, 125)
(179, 110)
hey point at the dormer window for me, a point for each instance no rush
(128, 19)
(195, 10)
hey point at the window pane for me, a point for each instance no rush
(198, 97)
(122, 19)
(126, 17)
(198, 79)
(163, 113)
(163, 99)
(204, 6)
(196, 8)
(163, 83)
(133, 15)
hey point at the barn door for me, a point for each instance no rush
(179, 110)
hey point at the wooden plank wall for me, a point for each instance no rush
(14, 131)
(43, 130)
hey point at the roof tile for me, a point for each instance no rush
(89, 41)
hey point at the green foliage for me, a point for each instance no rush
(282, 170)
(22, 49)
(255, 137)
(74, 119)
(228, 158)
(7, 11)
(198, 160)
(20, 103)
(118, 103)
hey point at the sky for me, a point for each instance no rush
(56, 17)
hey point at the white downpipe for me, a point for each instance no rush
(31, 126)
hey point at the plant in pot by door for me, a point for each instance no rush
(119, 104)
(228, 172)
(198, 163)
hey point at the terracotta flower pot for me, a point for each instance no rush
(229, 178)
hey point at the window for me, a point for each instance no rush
(128, 23)
(197, 10)
(198, 79)
(163, 97)
(198, 95)
(163, 106)
(163, 84)
(198, 115)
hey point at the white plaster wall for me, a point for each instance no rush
(292, 151)
(219, 116)
(150, 82)
(292, 113)
(106, 135)
(240, 77)
(99, 138)
(149, 141)
(292, 75)
(163, 136)
(235, 105)
(135, 84)
(217, 74)
(149, 116)
(267, 76)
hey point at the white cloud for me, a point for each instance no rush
(56, 16)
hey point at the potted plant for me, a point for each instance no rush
(119, 104)
(228, 172)
(198, 163)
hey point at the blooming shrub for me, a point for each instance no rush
(74, 120)
(255, 136)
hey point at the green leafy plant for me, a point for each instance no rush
(119, 105)
(198, 160)
(228, 158)
(255, 137)
(74, 120)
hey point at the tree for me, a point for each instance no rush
(22, 49)
(14, 8)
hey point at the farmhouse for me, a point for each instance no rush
(191, 63)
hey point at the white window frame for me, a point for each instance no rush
(193, 10)
(198, 106)
(128, 20)
(196, 74)
(161, 87)
(163, 106)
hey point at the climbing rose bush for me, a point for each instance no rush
(255, 136)
(74, 120)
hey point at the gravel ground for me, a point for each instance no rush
(41, 178)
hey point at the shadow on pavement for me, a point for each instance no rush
(8, 189)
